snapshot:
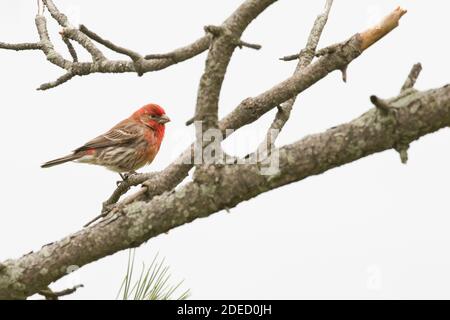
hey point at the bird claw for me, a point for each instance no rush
(125, 177)
(106, 208)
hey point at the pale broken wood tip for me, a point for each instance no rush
(390, 22)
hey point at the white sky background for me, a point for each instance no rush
(371, 229)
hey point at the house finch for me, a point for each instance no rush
(129, 145)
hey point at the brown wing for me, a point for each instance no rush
(122, 133)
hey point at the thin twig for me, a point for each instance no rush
(132, 54)
(153, 62)
(51, 295)
(190, 121)
(119, 206)
(64, 78)
(290, 57)
(60, 17)
(85, 42)
(412, 77)
(72, 33)
(242, 44)
(71, 49)
(41, 7)
(21, 46)
(305, 58)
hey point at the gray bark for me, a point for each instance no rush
(158, 207)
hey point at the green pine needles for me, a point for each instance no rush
(153, 282)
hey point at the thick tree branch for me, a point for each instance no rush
(64, 78)
(216, 188)
(224, 41)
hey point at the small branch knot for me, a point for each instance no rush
(190, 121)
(344, 73)
(215, 31)
(139, 66)
(402, 150)
(386, 109)
(380, 104)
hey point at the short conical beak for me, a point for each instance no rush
(164, 119)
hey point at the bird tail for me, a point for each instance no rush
(65, 159)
